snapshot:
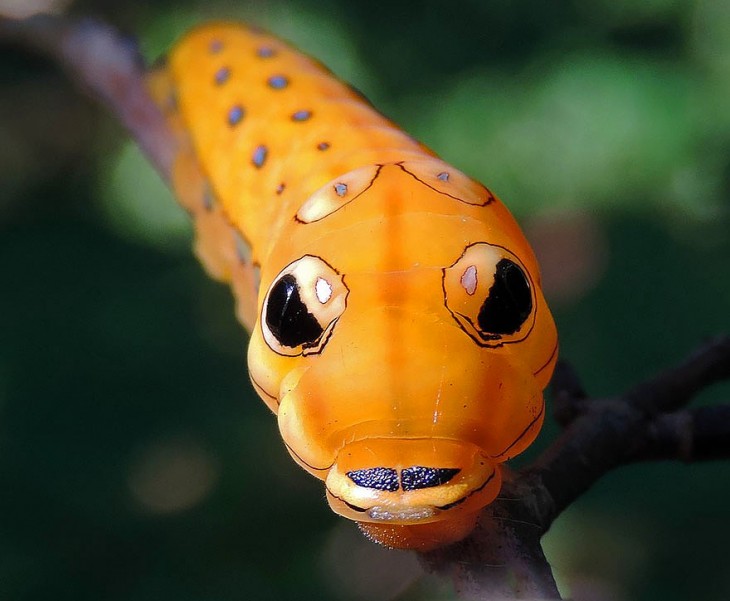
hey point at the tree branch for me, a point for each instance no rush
(699, 434)
(606, 433)
(106, 65)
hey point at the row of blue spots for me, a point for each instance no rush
(216, 46)
(237, 112)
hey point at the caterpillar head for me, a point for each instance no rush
(405, 349)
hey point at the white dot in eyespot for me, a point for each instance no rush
(323, 290)
(469, 280)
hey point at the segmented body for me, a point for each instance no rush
(397, 324)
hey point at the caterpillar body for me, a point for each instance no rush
(398, 329)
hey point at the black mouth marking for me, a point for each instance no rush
(418, 477)
(415, 477)
(379, 478)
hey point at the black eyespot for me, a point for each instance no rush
(509, 302)
(287, 316)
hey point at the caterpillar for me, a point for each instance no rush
(397, 324)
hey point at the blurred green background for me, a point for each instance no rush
(137, 464)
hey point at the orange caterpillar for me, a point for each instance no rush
(398, 329)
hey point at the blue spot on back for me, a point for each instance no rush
(216, 46)
(323, 146)
(259, 156)
(265, 52)
(277, 82)
(235, 115)
(301, 115)
(341, 189)
(222, 75)
(443, 176)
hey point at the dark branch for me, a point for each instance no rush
(108, 66)
(502, 558)
(676, 387)
(610, 432)
(699, 434)
(568, 393)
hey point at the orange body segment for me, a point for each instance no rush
(398, 328)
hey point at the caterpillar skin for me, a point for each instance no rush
(398, 329)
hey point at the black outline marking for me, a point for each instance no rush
(261, 389)
(525, 431)
(489, 200)
(482, 340)
(307, 350)
(310, 466)
(316, 349)
(550, 359)
(346, 202)
(341, 500)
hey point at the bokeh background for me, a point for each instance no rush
(137, 464)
